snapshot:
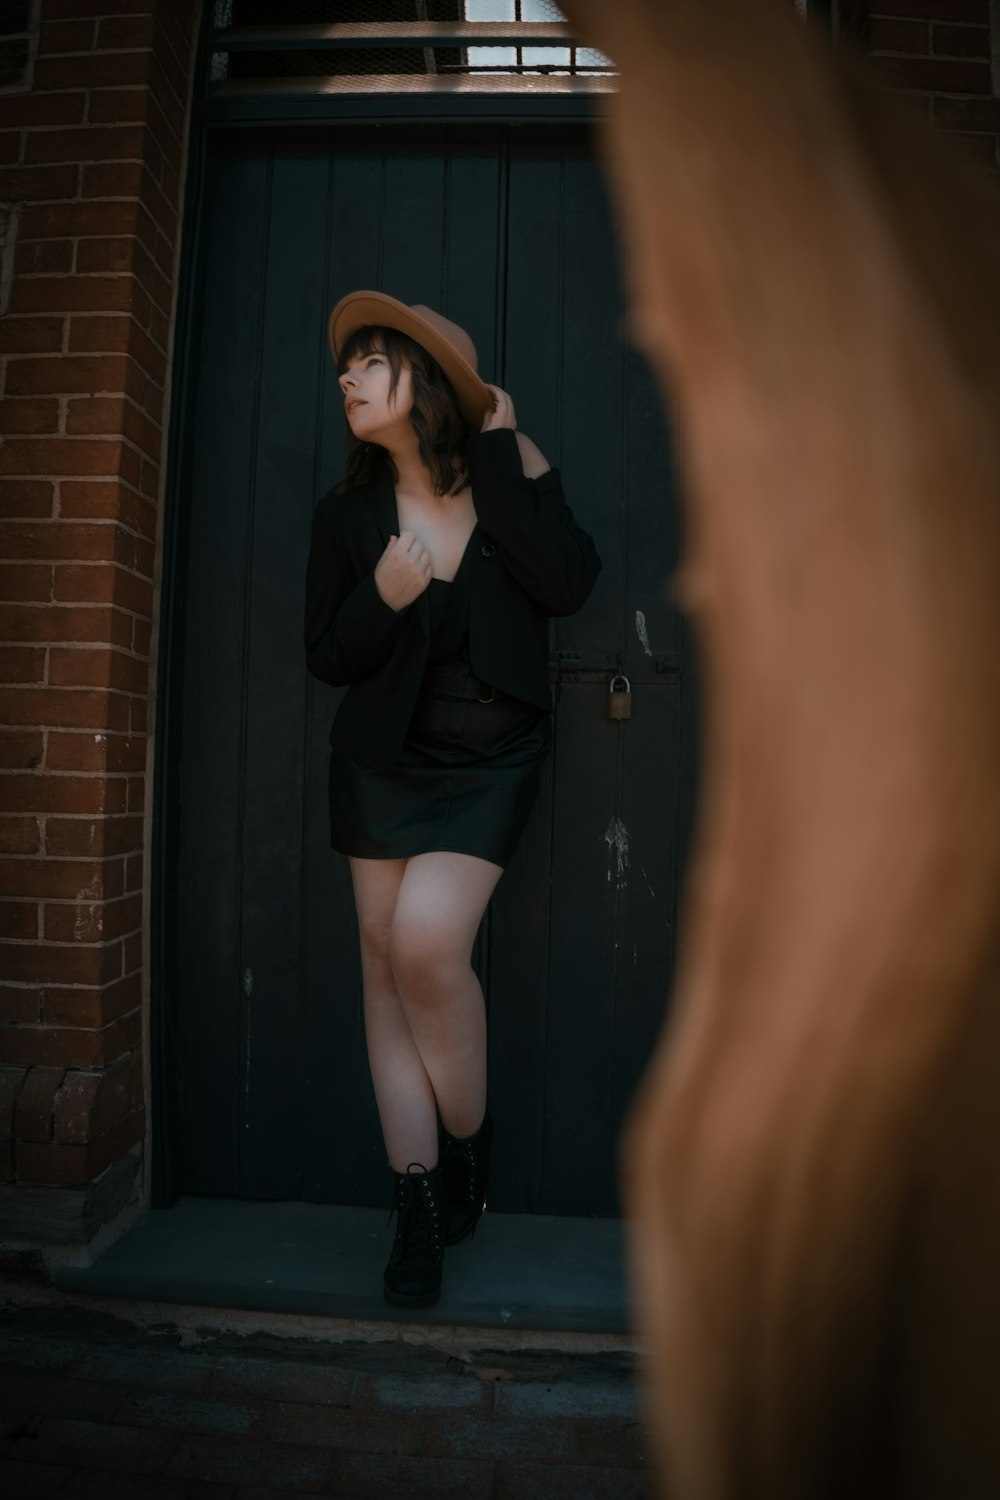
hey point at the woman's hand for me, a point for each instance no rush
(533, 461)
(502, 414)
(403, 571)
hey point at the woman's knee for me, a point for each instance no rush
(425, 957)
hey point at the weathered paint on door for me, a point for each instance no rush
(514, 242)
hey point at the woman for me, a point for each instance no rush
(433, 569)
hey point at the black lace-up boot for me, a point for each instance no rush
(466, 1165)
(413, 1275)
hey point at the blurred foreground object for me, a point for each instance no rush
(813, 1164)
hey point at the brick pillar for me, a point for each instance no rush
(92, 153)
(940, 51)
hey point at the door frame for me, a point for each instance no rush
(219, 129)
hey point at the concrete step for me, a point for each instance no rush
(520, 1272)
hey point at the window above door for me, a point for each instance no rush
(319, 48)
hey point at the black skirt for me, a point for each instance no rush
(465, 781)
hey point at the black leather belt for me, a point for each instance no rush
(456, 685)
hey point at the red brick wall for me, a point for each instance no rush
(93, 155)
(940, 51)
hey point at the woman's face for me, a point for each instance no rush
(375, 413)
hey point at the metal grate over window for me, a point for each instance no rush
(399, 46)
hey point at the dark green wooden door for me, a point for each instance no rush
(515, 244)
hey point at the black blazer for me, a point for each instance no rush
(529, 560)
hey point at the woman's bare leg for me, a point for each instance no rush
(439, 906)
(403, 1090)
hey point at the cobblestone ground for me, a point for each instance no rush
(93, 1409)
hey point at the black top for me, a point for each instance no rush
(529, 559)
(449, 614)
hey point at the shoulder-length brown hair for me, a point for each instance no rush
(437, 421)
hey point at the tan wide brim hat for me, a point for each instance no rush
(445, 341)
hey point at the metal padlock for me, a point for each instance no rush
(620, 697)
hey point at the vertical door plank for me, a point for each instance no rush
(518, 1012)
(532, 356)
(472, 243)
(414, 244)
(353, 196)
(653, 626)
(593, 400)
(651, 783)
(214, 660)
(342, 1156)
(529, 358)
(578, 1175)
(283, 480)
(646, 904)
